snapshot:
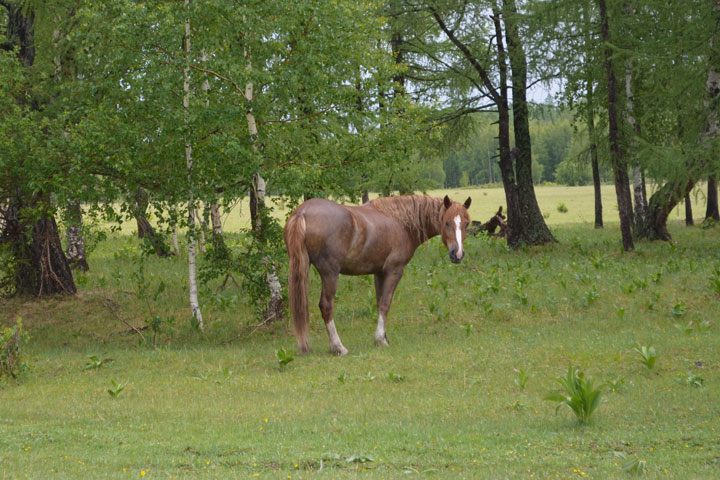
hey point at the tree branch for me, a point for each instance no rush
(467, 54)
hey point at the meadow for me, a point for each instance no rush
(475, 349)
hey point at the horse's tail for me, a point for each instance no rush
(294, 234)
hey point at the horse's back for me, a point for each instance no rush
(353, 240)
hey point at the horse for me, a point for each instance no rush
(379, 238)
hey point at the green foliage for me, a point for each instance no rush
(94, 362)
(579, 395)
(678, 310)
(714, 280)
(686, 329)
(521, 378)
(562, 208)
(647, 354)
(694, 380)
(115, 389)
(615, 385)
(591, 295)
(635, 466)
(283, 357)
(13, 357)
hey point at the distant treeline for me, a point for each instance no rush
(560, 153)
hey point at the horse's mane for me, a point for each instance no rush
(421, 215)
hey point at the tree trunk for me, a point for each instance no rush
(145, 230)
(534, 227)
(216, 220)
(619, 165)
(274, 308)
(711, 212)
(661, 205)
(75, 242)
(39, 265)
(590, 98)
(175, 245)
(639, 197)
(21, 31)
(192, 278)
(515, 233)
(688, 211)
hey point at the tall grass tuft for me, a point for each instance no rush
(579, 395)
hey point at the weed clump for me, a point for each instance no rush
(13, 361)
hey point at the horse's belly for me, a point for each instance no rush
(360, 267)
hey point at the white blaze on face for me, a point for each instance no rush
(458, 236)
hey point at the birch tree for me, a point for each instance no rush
(192, 233)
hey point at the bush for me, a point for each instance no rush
(562, 208)
(12, 350)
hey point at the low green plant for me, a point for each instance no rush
(634, 466)
(678, 310)
(715, 280)
(283, 357)
(562, 208)
(13, 361)
(395, 378)
(468, 328)
(615, 385)
(686, 329)
(115, 388)
(520, 378)
(579, 395)
(648, 356)
(95, 362)
(694, 380)
(591, 296)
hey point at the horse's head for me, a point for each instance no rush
(455, 220)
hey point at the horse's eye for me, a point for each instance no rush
(447, 224)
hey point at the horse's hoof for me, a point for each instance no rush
(381, 342)
(339, 351)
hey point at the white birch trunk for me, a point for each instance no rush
(175, 245)
(274, 309)
(201, 223)
(192, 279)
(215, 219)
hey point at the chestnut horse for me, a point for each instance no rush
(379, 237)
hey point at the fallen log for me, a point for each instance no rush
(497, 221)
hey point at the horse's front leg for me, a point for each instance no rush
(385, 284)
(329, 287)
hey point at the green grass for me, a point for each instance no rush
(441, 402)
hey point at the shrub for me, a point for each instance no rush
(562, 208)
(12, 350)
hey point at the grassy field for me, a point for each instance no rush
(444, 401)
(486, 200)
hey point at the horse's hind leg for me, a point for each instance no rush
(329, 287)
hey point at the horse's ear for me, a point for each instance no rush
(467, 203)
(447, 201)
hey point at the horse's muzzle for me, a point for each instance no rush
(454, 257)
